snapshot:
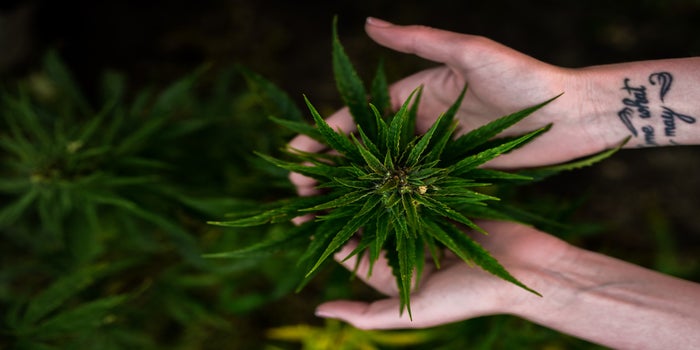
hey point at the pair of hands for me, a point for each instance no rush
(500, 81)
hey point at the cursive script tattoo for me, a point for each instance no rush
(640, 101)
(636, 114)
(669, 117)
(649, 137)
(665, 79)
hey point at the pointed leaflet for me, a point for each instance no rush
(537, 174)
(440, 208)
(397, 126)
(350, 86)
(57, 293)
(333, 139)
(382, 129)
(408, 131)
(478, 136)
(422, 144)
(473, 161)
(348, 230)
(299, 128)
(406, 250)
(375, 164)
(292, 236)
(468, 249)
(380, 89)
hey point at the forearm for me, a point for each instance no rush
(617, 304)
(654, 102)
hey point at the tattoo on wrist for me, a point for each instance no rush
(640, 118)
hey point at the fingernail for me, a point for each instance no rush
(378, 22)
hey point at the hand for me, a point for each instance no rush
(456, 291)
(501, 81)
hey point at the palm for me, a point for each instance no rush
(521, 249)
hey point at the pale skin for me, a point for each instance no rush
(585, 294)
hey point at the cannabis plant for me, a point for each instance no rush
(397, 192)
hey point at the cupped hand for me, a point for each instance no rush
(457, 291)
(501, 81)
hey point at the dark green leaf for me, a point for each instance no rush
(486, 132)
(350, 86)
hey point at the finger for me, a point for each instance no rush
(381, 314)
(385, 313)
(426, 42)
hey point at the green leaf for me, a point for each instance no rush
(371, 160)
(538, 174)
(350, 86)
(362, 217)
(473, 161)
(406, 249)
(380, 89)
(299, 127)
(335, 140)
(57, 294)
(486, 132)
(268, 246)
(423, 142)
(399, 123)
(438, 207)
(469, 250)
(83, 318)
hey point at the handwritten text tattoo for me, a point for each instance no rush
(651, 126)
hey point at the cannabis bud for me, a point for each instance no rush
(402, 192)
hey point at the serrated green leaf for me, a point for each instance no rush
(406, 250)
(538, 174)
(268, 246)
(335, 140)
(380, 89)
(367, 142)
(344, 200)
(299, 127)
(438, 207)
(370, 159)
(398, 125)
(422, 144)
(469, 250)
(491, 174)
(342, 236)
(382, 129)
(473, 161)
(350, 86)
(480, 135)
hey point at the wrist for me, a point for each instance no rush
(652, 102)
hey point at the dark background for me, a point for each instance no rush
(635, 196)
